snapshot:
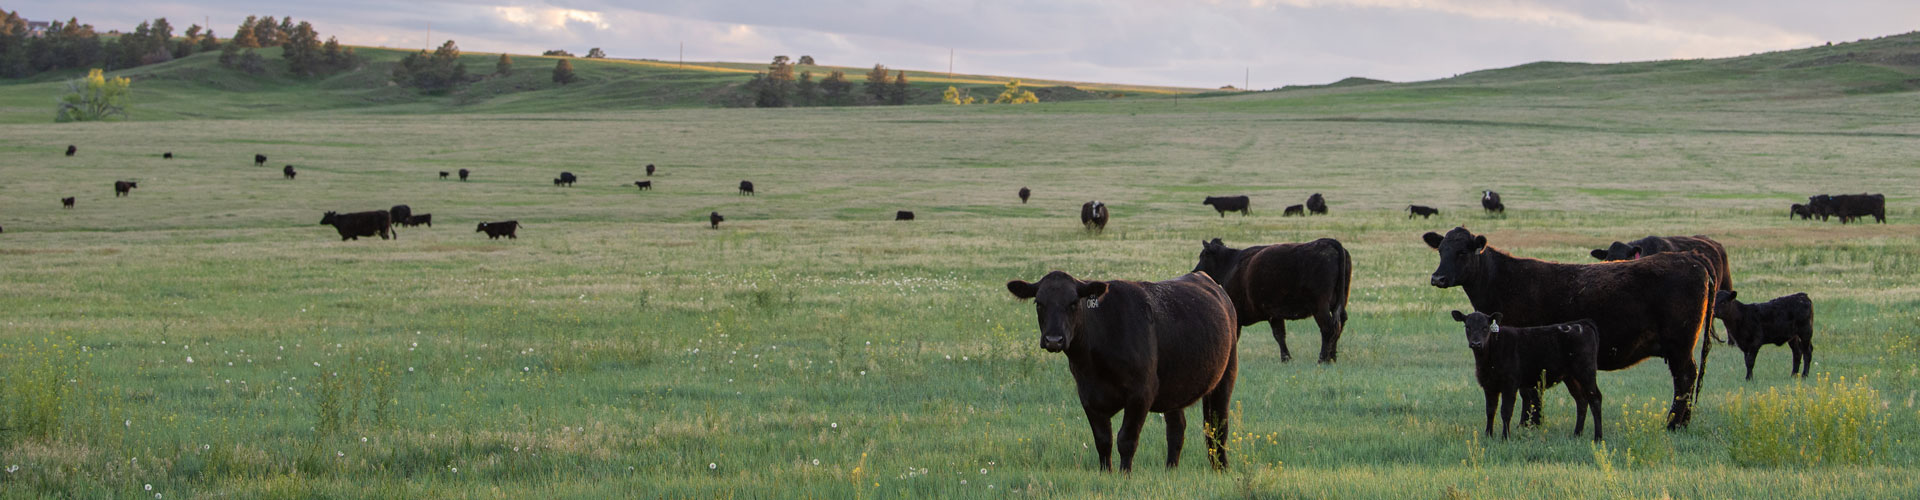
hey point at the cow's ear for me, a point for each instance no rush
(1479, 242)
(1725, 296)
(1459, 317)
(1599, 254)
(1093, 289)
(1433, 239)
(1022, 290)
(1636, 253)
(1495, 316)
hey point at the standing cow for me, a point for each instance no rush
(1509, 359)
(1316, 204)
(66, 202)
(444, 174)
(463, 174)
(1142, 347)
(71, 149)
(1785, 320)
(123, 188)
(903, 215)
(1287, 281)
(715, 219)
(259, 160)
(400, 213)
(1650, 245)
(495, 230)
(1224, 204)
(746, 188)
(566, 179)
(1093, 216)
(288, 172)
(1024, 193)
(1654, 306)
(1293, 210)
(1799, 210)
(643, 185)
(1422, 211)
(649, 170)
(1490, 201)
(354, 225)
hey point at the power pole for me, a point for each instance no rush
(683, 55)
(949, 63)
(1247, 85)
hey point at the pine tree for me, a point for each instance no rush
(563, 73)
(209, 43)
(504, 67)
(806, 93)
(898, 94)
(243, 36)
(877, 83)
(836, 87)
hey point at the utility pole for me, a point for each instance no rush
(949, 63)
(683, 55)
(1247, 85)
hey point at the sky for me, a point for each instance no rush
(1192, 43)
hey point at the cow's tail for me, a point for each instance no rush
(1346, 283)
(1711, 289)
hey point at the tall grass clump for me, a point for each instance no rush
(1640, 433)
(36, 381)
(1825, 422)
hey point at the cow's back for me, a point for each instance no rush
(1288, 279)
(1194, 329)
(1626, 299)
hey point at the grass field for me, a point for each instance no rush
(205, 337)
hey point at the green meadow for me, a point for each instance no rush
(205, 337)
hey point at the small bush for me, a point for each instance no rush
(1819, 423)
(35, 387)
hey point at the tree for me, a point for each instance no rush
(188, 43)
(898, 94)
(780, 59)
(774, 88)
(251, 63)
(563, 73)
(230, 54)
(956, 96)
(596, 53)
(438, 72)
(836, 87)
(304, 53)
(805, 92)
(557, 53)
(1013, 95)
(95, 97)
(267, 32)
(504, 67)
(877, 82)
(806, 60)
(243, 35)
(209, 43)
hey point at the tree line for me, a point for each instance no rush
(75, 45)
(778, 87)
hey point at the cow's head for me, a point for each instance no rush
(1210, 200)
(329, 218)
(1215, 258)
(1058, 299)
(1457, 251)
(483, 227)
(1618, 251)
(1727, 308)
(1481, 327)
(132, 184)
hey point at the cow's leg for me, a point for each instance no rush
(1750, 355)
(1280, 335)
(1506, 412)
(1176, 421)
(1593, 402)
(1530, 406)
(1102, 424)
(1131, 421)
(1579, 393)
(1493, 401)
(1329, 334)
(1682, 368)
(1213, 412)
(1806, 359)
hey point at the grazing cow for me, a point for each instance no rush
(1316, 204)
(444, 174)
(746, 188)
(1286, 281)
(1490, 201)
(259, 160)
(649, 170)
(416, 220)
(168, 155)
(1293, 210)
(1509, 359)
(495, 230)
(1142, 347)
(1785, 320)
(1820, 205)
(566, 178)
(1421, 210)
(400, 213)
(1093, 215)
(1224, 204)
(1656, 244)
(354, 225)
(66, 202)
(123, 188)
(1851, 207)
(644, 185)
(288, 172)
(1024, 193)
(1654, 306)
(71, 150)
(1799, 210)
(715, 218)
(463, 174)
(903, 215)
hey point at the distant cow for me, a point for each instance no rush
(1024, 193)
(168, 155)
(1142, 347)
(1093, 215)
(288, 172)
(463, 174)
(903, 215)
(259, 160)
(416, 220)
(71, 150)
(1663, 244)
(1785, 320)
(1316, 204)
(495, 230)
(444, 174)
(354, 225)
(1286, 281)
(1653, 306)
(66, 202)
(1422, 211)
(400, 213)
(746, 187)
(123, 188)
(644, 185)
(1490, 201)
(1509, 359)
(649, 170)
(566, 178)
(1224, 204)
(1293, 210)
(715, 218)
(1800, 211)
(1851, 207)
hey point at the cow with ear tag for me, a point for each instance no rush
(1142, 347)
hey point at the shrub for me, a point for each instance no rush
(95, 97)
(1818, 423)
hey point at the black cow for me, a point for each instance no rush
(1654, 306)
(1509, 359)
(1799, 210)
(1785, 320)
(903, 215)
(1293, 210)
(1421, 210)
(123, 188)
(168, 155)
(1142, 347)
(416, 220)
(1286, 281)
(288, 172)
(1316, 204)
(444, 174)
(495, 230)
(463, 174)
(1093, 215)
(1224, 204)
(1490, 201)
(714, 219)
(644, 185)
(746, 188)
(1851, 207)
(66, 202)
(71, 150)
(400, 213)
(566, 178)
(1820, 205)
(354, 225)
(259, 160)
(1658, 244)
(1024, 193)
(649, 170)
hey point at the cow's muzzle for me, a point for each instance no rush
(1440, 281)
(1053, 344)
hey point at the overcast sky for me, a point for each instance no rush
(1201, 43)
